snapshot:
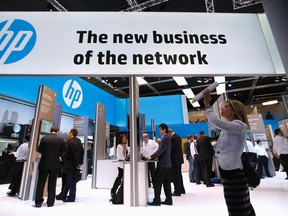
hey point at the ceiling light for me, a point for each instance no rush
(270, 102)
(206, 80)
(277, 79)
(221, 88)
(189, 93)
(181, 81)
(284, 79)
(199, 80)
(115, 80)
(141, 81)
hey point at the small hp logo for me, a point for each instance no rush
(17, 39)
(72, 94)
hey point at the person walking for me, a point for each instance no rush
(72, 166)
(162, 173)
(280, 149)
(51, 148)
(177, 161)
(229, 149)
(149, 146)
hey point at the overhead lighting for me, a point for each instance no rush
(190, 95)
(181, 81)
(199, 80)
(270, 102)
(284, 79)
(141, 81)
(221, 88)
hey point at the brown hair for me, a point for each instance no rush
(240, 112)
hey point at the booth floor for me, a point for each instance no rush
(270, 198)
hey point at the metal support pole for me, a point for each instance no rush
(134, 107)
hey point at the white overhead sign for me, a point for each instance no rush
(119, 43)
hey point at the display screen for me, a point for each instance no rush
(45, 126)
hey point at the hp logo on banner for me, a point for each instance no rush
(72, 94)
(17, 39)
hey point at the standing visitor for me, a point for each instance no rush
(230, 145)
(51, 148)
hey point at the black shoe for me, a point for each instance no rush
(38, 205)
(11, 194)
(50, 205)
(210, 185)
(198, 183)
(68, 200)
(59, 197)
(176, 194)
(286, 178)
(166, 203)
(154, 204)
(183, 192)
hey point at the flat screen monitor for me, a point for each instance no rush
(45, 126)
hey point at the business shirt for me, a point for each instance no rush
(122, 152)
(149, 147)
(250, 147)
(280, 145)
(22, 152)
(260, 150)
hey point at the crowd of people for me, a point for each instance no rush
(165, 160)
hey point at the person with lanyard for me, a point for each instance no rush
(262, 159)
(230, 145)
(122, 152)
(17, 168)
(148, 148)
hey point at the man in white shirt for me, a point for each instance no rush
(249, 146)
(16, 171)
(262, 159)
(280, 149)
(148, 148)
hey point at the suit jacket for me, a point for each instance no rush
(187, 150)
(74, 154)
(176, 150)
(163, 153)
(204, 147)
(51, 148)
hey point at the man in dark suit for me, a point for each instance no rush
(50, 148)
(205, 150)
(162, 172)
(177, 161)
(72, 166)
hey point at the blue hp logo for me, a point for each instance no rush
(17, 39)
(72, 94)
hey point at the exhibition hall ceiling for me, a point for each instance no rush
(248, 89)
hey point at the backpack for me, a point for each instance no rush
(118, 197)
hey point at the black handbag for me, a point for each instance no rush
(249, 162)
